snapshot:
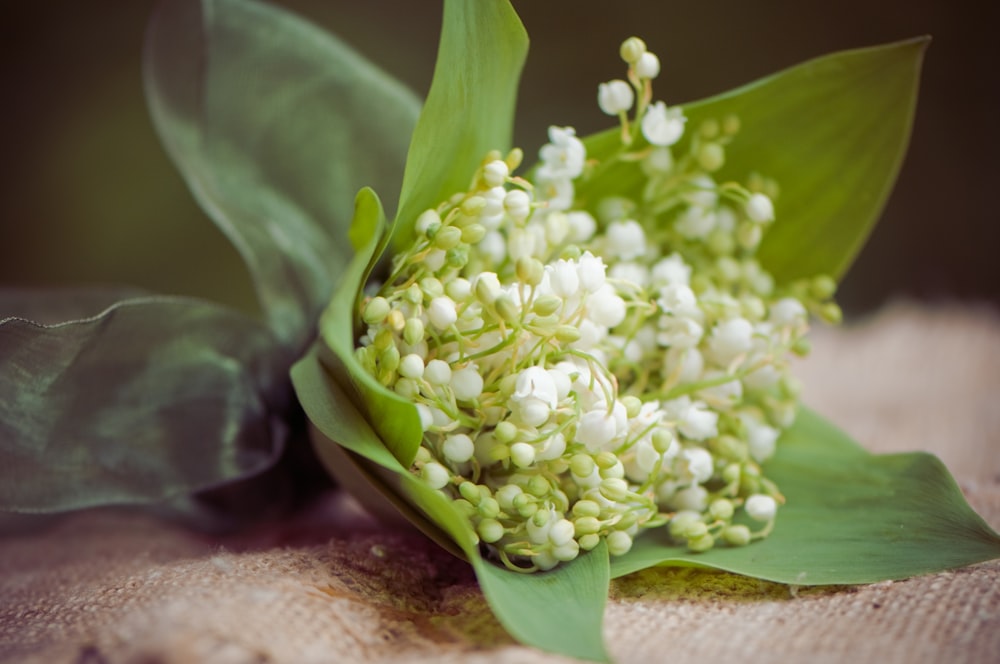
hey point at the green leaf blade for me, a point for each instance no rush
(850, 517)
(469, 109)
(275, 125)
(833, 132)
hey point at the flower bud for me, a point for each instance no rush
(588, 542)
(413, 331)
(615, 97)
(759, 208)
(428, 223)
(582, 465)
(614, 488)
(585, 508)
(648, 66)
(435, 475)
(738, 535)
(701, 543)
(619, 543)
(447, 237)
(376, 310)
(458, 448)
(411, 366)
(490, 530)
(522, 454)
(760, 507)
(473, 233)
(587, 525)
(495, 173)
(632, 49)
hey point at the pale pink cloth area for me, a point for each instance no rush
(330, 585)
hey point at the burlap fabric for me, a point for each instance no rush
(332, 586)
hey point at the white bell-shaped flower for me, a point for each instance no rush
(563, 157)
(615, 97)
(662, 126)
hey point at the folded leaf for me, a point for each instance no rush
(275, 124)
(559, 611)
(150, 399)
(470, 106)
(394, 418)
(831, 131)
(850, 517)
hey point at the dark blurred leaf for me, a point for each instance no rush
(275, 125)
(150, 399)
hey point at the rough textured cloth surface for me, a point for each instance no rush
(332, 586)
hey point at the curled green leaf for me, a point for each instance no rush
(149, 399)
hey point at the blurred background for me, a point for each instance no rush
(87, 195)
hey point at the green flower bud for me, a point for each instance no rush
(632, 405)
(614, 488)
(473, 205)
(619, 543)
(505, 432)
(662, 440)
(457, 257)
(831, 313)
(530, 270)
(711, 156)
(823, 287)
(507, 310)
(413, 331)
(728, 447)
(490, 530)
(701, 543)
(546, 305)
(586, 525)
(489, 508)
(585, 508)
(539, 486)
(447, 237)
(721, 509)
(581, 465)
(709, 129)
(605, 460)
(686, 524)
(383, 340)
(431, 287)
(473, 233)
(470, 492)
(632, 49)
(525, 505)
(389, 359)
(588, 542)
(376, 310)
(738, 535)
(567, 333)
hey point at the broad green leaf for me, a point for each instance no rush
(394, 418)
(850, 517)
(469, 109)
(145, 400)
(275, 125)
(831, 131)
(559, 611)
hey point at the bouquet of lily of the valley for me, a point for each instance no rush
(562, 369)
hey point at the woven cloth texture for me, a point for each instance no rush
(331, 585)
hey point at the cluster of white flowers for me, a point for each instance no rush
(585, 372)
